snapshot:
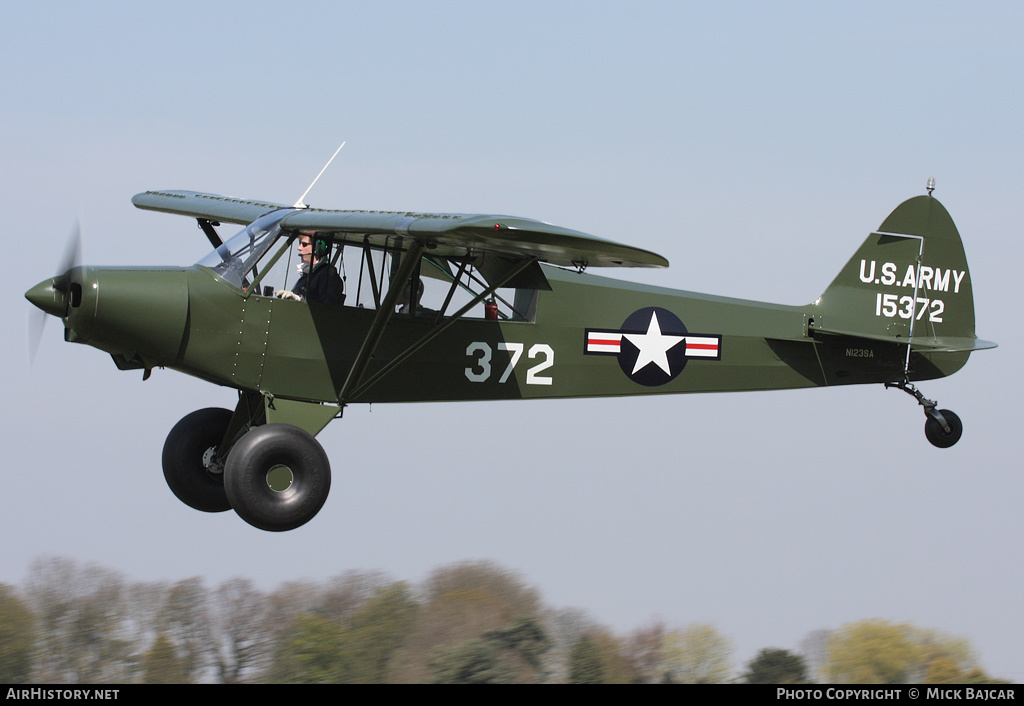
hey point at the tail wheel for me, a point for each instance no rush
(277, 477)
(941, 434)
(938, 436)
(189, 460)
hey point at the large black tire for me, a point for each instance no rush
(287, 458)
(939, 436)
(186, 475)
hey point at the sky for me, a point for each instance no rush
(754, 145)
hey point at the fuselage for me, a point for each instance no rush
(589, 336)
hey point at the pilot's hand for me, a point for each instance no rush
(285, 294)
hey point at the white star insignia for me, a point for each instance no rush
(654, 346)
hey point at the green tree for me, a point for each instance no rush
(161, 665)
(880, 652)
(943, 659)
(346, 594)
(565, 627)
(316, 653)
(81, 623)
(16, 635)
(509, 654)
(346, 632)
(774, 666)
(461, 602)
(243, 631)
(523, 641)
(697, 654)
(379, 628)
(978, 676)
(642, 652)
(185, 620)
(473, 661)
(585, 663)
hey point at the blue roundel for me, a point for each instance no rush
(653, 349)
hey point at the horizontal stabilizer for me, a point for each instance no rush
(920, 344)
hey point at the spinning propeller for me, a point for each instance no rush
(51, 296)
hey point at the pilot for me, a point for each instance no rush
(318, 280)
(405, 305)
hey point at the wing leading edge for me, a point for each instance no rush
(443, 234)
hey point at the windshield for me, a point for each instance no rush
(236, 258)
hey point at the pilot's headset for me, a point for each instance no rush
(321, 247)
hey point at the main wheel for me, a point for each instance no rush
(277, 477)
(939, 436)
(189, 468)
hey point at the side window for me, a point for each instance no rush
(444, 288)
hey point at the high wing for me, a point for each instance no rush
(443, 235)
(225, 209)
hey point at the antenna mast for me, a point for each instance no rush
(299, 204)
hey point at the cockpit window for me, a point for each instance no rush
(248, 262)
(236, 258)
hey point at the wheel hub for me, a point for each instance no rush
(280, 478)
(211, 462)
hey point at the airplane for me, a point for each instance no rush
(517, 317)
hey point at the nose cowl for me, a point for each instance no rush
(137, 314)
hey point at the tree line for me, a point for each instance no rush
(468, 622)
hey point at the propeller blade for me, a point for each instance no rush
(71, 258)
(36, 324)
(37, 295)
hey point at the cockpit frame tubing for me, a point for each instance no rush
(367, 261)
(435, 332)
(456, 282)
(255, 285)
(384, 314)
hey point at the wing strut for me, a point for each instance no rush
(211, 233)
(434, 333)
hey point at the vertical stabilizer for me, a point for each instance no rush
(909, 278)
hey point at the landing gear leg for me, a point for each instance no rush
(942, 427)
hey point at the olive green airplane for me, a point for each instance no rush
(516, 317)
